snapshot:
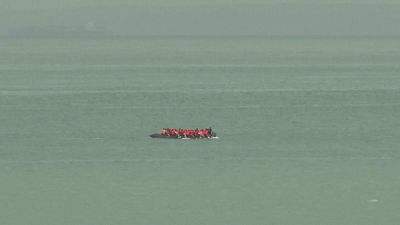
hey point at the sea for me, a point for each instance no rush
(308, 127)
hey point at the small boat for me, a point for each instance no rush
(185, 134)
(157, 135)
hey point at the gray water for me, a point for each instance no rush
(308, 127)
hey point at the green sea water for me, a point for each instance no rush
(309, 131)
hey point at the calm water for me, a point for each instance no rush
(309, 131)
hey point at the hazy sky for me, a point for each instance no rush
(210, 17)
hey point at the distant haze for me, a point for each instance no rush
(208, 17)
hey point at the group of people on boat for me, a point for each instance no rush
(183, 133)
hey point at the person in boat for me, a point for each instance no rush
(181, 132)
(172, 132)
(168, 132)
(201, 134)
(206, 134)
(190, 133)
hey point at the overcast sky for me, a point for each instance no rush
(209, 17)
